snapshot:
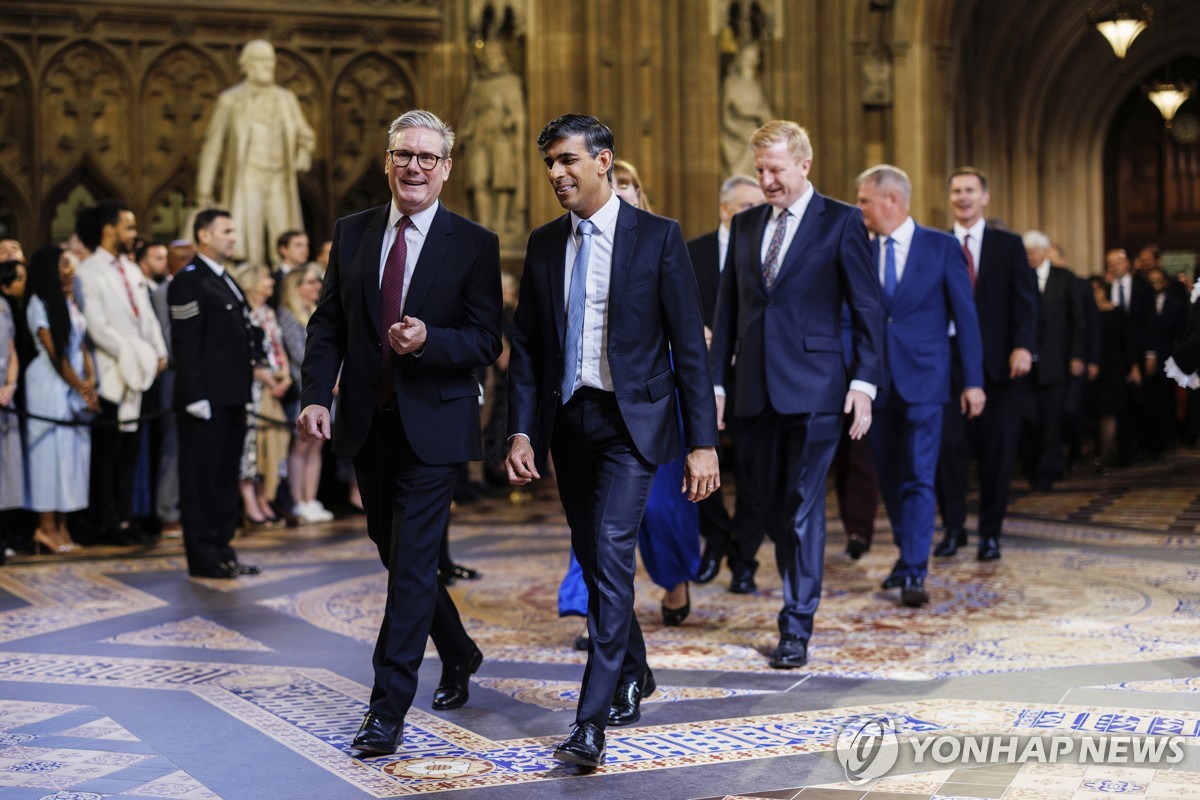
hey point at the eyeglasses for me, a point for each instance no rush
(401, 158)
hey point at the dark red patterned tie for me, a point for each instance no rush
(391, 292)
(970, 259)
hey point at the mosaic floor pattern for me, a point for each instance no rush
(106, 660)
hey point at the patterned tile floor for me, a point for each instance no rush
(119, 677)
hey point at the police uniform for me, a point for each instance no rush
(216, 348)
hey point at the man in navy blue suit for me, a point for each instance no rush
(606, 333)
(411, 306)
(925, 283)
(791, 266)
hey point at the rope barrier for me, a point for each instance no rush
(112, 423)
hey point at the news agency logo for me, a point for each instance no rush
(868, 748)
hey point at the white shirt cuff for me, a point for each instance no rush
(524, 436)
(862, 386)
(200, 409)
(719, 391)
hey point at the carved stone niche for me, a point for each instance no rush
(877, 88)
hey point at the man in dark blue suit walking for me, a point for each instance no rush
(791, 266)
(411, 306)
(925, 283)
(606, 333)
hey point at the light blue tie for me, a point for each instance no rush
(572, 346)
(889, 268)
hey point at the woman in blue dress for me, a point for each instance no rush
(60, 384)
(12, 455)
(669, 534)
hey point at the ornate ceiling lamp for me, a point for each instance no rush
(1168, 97)
(1120, 23)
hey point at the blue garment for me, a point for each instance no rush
(58, 455)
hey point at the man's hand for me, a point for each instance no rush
(1134, 376)
(313, 424)
(972, 401)
(407, 336)
(701, 473)
(1020, 361)
(1093, 371)
(1151, 365)
(1076, 367)
(720, 412)
(520, 462)
(162, 366)
(859, 404)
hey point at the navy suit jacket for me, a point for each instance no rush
(935, 289)
(653, 317)
(455, 291)
(1006, 298)
(788, 343)
(705, 251)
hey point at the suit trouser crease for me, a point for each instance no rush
(604, 483)
(905, 438)
(793, 454)
(408, 508)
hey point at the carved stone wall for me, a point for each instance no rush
(112, 100)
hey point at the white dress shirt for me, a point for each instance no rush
(1114, 292)
(797, 210)
(901, 244)
(593, 370)
(722, 247)
(414, 238)
(975, 245)
(1043, 273)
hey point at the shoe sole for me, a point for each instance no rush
(788, 664)
(568, 757)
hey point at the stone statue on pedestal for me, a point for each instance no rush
(744, 109)
(492, 130)
(259, 140)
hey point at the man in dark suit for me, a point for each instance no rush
(1133, 295)
(792, 264)
(216, 349)
(411, 306)
(1006, 302)
(607, 331)
(723, 536)
(925, 287)
(1061, 348)
(1166, 327)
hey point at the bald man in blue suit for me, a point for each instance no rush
(925, 285)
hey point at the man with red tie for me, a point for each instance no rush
(411, 306)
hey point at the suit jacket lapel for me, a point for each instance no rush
(624, 243)
(437, 242)
(556, 268)
(370, 249)
(809, 223)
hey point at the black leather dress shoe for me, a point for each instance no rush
(791, 653)
(378, 735)
(627, 701)
(856, 547)
(895, 578)
(455, 686)
(585, 746)
(989, 548)
(954, 539)
(222, 571)
(245, 569)
(710, 565)
(674, 617)
(912, 593)
(743, 583)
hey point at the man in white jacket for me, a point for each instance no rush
(130, 353)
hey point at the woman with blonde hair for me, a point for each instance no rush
(301, 291)
(628, 185)
(266, 443)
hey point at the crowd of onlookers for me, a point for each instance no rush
(88, 450)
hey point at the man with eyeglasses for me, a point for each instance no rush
(411, 306)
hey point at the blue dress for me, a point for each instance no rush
(58, 455)
(668, 538)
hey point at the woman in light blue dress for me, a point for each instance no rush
(60, 384)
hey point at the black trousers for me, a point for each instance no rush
(408, 507)
(603, 483)
(1042, 433)
(114, 464)
(992, 439)
(856, 484)
(749, 522)
(209, 502)
(786, 479)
